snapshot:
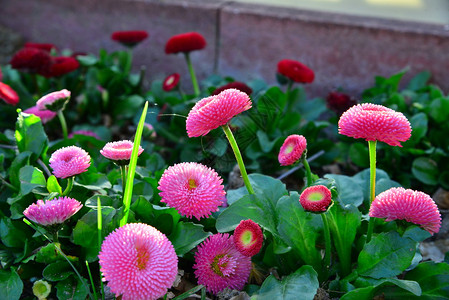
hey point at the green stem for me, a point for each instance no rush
(327, 241)
(129, 60)
(55, 237)
(308, 171)
(123, 172)
(192, 75)
(63, 124)
(91, 280)
(372, 166)
(239, 158)
(69, 187)
(343, 249)
(8, 184)
(203, 293)
(100, 238)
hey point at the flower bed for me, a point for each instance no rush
(126, 192)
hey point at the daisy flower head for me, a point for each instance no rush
(296, 71)
(215, 111)
(233, 85)
(248, 237)
(61, 65)
(44, 115)
(292, 149)
(192, 188)
(8, 95)
(185, 42)
(51, 212)
(55, 101)
(69, 161)
(409, 205)
(31, 60)
(339, 102)
(138, 262)
(219, 265)
(129, 38)
(374, 122)
(120, 151)
(84, 132)
(316, 198)
(171, 82)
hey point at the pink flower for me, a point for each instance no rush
(292, 149)
(248, 238)
(170, 82)
(69, 161)
(54, 101)
(148, 129)
(215, 111)
(119, 151)
(412, 206)
(8, 94)
(185, 42)
(296, 71)
(219, 265)
(84, 132)
(316, 198)
(50, 212)
(192, 188)
(45, 115)
(138, 262)
(375, 123)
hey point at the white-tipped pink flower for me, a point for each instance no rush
(412, 206)
(119, 151)
(84, 132)
(44, 115)
(375, 123)
(54, 101)
(292, 149)
(219, 265)
(193, 189)
(215, 111)
(69, 161)
(51, 212)
(316, 198)
(138, 262)
(248, 237)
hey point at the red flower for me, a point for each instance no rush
(170, 82)
(129, 38)
(31, 60)
(61, 65)
(8, 94)
(296, 71)
(316, 198)
(233, 85)
(40, 46)
(248, 237)
(185, 42)
(339, 102)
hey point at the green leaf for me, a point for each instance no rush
(386, 255)
(13, 233)
(419, 81)
(425, 170)
(311, 109)
(358, 152)
(48, 254)
(87, 60)
(360, 293)
(299, 229)
(30, 134)
(439, 109)
(303, 284)
(419, 124)
(57, 271)
(72, 288)
(20, 161)
(53, 185)
(127, 108)
(265, 144)
(433, 279)
(187, 236)
(219, 147)
(11, 285)
(349, 190)
(383, 182)
(30, 178)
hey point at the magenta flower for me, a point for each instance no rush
(412, 206)
(84, 132)
(69, 161)
(119, 151)
(193, 189)
(248, 238)
(375, 123)
(54, 101)
(316, 198)
(138, 262)
(51, 212)
(219, 265)
(214, 111)
(44, 115)
(292, 149)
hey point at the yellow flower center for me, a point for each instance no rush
(192, 184)
(142, 257)
(315, 196)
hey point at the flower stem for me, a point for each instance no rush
(69, 187)
(192, 75)
(63, 124)
(239, 158)
(123, 173)
(327, 241)
(91, 280)
(289, 103)
(100, 238)
(308, 171)
(372, 166)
